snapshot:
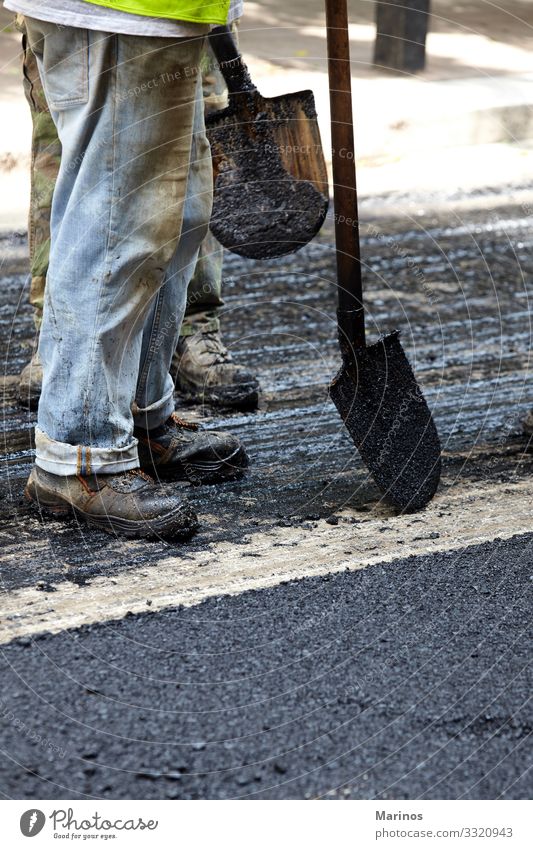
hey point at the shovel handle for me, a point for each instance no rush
(230, 61)
(351, 318)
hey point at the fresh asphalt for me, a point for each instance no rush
(407, 680)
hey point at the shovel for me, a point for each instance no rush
(270, 179)
(375, 391)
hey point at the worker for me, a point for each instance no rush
(130, 209)
(202, 365)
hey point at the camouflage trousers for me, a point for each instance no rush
(204, 292)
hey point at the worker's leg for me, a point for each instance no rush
(168, 446)
(155, 389)
(204, 294)
(202, 365)
(45, 162)
(116, 222)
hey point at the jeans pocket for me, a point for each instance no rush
(64, 54)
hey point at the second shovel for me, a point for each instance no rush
(270, 180)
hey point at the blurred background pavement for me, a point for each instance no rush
(464, 124)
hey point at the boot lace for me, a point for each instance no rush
(213, 344)
(183, 423)
(138, 473)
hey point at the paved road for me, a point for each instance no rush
(407, 680)
(308, 641)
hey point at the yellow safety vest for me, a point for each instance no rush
(195, 11)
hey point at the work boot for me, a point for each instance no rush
(204, 372)
(527, 424)
(179, 450)
(30, 383)
(130, 503)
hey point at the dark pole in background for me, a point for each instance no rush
(402, 27)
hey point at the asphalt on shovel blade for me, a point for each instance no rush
(263, 216)
(260, 210)
(390, 422)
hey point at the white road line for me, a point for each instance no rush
(461, 516)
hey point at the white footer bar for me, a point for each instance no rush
(268, 824)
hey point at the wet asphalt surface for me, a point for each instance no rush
(405, 680)
(458, 288)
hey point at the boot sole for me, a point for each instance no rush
(241, 396)
(203, 471)
(163, 527)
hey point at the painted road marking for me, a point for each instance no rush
(465, 514)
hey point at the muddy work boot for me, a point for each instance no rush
(30, 383)
(527, 424)
(130, 503)
(204, 372)
(179, 450)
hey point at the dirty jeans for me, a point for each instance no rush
(130, 208)
(205, 287)
(204, 295)
(45, 162)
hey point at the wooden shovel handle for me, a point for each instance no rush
(230, 61)
(349, 283)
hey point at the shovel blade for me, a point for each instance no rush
(389, 421)
(262, 217)
(294, 127)
(261, 209)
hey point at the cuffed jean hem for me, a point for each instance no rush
(61, 458)
(156, 414)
